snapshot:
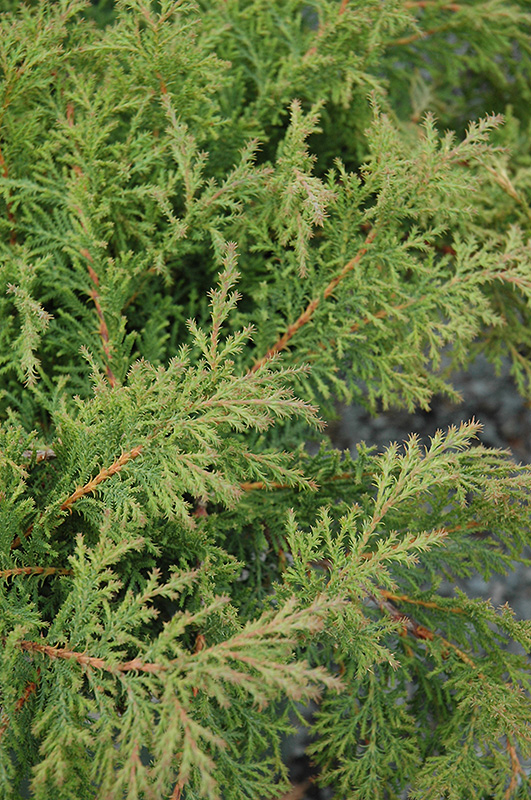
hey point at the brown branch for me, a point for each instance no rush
(446, 531)
(310, 309)
(422, 4)
(433, 4)
(385, 313)
(177, 791)
(102, 475)
(43, 571)
(135, 665)
(4, 724)
(252, 486)
(516, 768)
(416, 36)
(140, 289)
(411, 626)
(440, 530)
(162, 84)
(349, 266)
(404, 598)
(102, 330)
(28, 691)
(104, 335)
(17, 541)
(226, 187)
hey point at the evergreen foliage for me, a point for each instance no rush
(216, 219)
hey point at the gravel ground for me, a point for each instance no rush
(492, 400)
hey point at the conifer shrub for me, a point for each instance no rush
(217, 219)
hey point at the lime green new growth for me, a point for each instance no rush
(216, 220)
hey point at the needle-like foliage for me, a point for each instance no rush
(217, 219)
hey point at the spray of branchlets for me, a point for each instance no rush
(217, 219)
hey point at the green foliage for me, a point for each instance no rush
(216, 219)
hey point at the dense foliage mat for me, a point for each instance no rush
(217, 219)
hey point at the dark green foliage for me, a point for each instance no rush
(216, 219)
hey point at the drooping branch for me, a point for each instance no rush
(502, 179)
(421, 5)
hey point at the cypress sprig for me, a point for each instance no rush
(217, 219)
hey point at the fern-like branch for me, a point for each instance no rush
(312, 306)
(102, 475)
(84, 660)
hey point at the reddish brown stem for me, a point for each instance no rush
(433, 3)
(28, 691)
(384, 313)
(102, 330)
(102, 475)
(312, 306)
(177, 792)
(94, 294)
(412, 627)
(516, 768)
(414, 37)
(89, 487)
(43, 571)
(409, 624)
(135, 665)
(17, 540)
(162, 84)
(404, 598)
